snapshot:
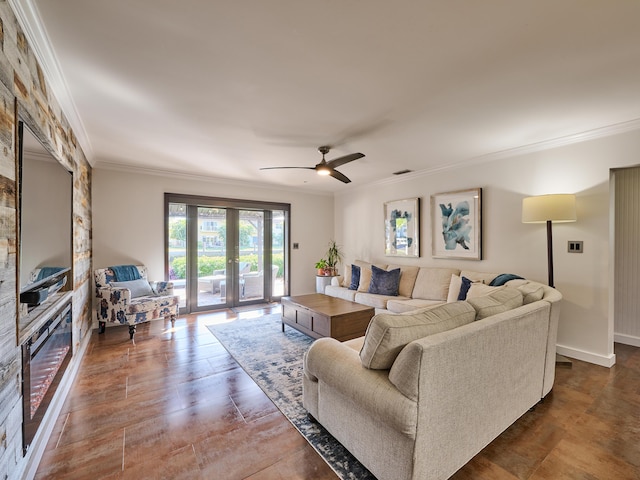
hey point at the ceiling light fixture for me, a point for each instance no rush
(323, 170)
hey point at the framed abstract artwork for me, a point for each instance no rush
(456, 224)
(402, 228)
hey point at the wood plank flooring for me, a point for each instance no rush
(176, 405)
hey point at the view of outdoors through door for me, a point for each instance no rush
(212, 257)
(223, 256)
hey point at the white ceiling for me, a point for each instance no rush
(223, 88)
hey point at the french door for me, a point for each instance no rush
(224, 253)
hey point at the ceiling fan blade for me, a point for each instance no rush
(339, 176)
(336, 162)
(274, 168)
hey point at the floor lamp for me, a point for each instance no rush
(558, 208)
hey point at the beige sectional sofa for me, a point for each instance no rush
(418, 287)
(424, 391)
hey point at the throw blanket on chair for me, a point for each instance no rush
(504, 278)
(125, 273)
(47, 271)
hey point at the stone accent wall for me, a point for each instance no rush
(22, 80)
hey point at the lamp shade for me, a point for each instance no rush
(556, 208)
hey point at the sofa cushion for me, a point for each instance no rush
(404, 305)
(480, 289)
(532, 292)
(340, 292)
(384, 282)
(374, 300)
(355, 277)
(433, 283)
(501, 299)
(138, 288)
(408, 275)
(387, 334)
(365, 274)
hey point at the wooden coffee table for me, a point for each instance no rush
(319, 315)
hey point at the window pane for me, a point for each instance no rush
(177, 235)
(212, 256)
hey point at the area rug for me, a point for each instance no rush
(274, 361)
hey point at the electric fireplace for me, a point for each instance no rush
(45, 356)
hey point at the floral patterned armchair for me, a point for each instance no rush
(132, 302)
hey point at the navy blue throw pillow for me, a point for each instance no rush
(464, 288)
(355, 277)
(383, 282)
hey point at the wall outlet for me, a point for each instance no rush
(575, 246)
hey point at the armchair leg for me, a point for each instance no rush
(102, 327)
(132, 331)
(173, 321)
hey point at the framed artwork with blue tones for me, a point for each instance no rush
(456, 224)
(402, 228)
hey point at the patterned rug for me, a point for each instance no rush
(274, 361)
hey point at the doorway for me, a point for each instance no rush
(625, 185)
(225, 253)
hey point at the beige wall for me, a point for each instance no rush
(585, 331)
(129, 219)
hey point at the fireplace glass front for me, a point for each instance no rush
(45, 356)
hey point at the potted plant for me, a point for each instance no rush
(322, 266)
(334, 256)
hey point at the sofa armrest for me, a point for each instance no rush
(162, 288)
(336, 281)
(112, 303)
(473, 382)
(339, 367)
(114, 295)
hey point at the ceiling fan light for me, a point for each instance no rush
(323, 171)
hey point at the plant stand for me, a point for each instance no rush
(321, 282)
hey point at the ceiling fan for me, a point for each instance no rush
(329, 168)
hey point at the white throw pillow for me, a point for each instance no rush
(138, 288)
(454, 288)
(480, 289)
(346, 279)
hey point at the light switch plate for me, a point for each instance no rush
(575, 246)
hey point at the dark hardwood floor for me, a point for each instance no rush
(176, 405)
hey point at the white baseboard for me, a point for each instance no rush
(39, 442)
(626, 339)
(602, 360)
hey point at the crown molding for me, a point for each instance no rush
(29, 19)
(120, 167)
(593, 134)
(600, 132)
